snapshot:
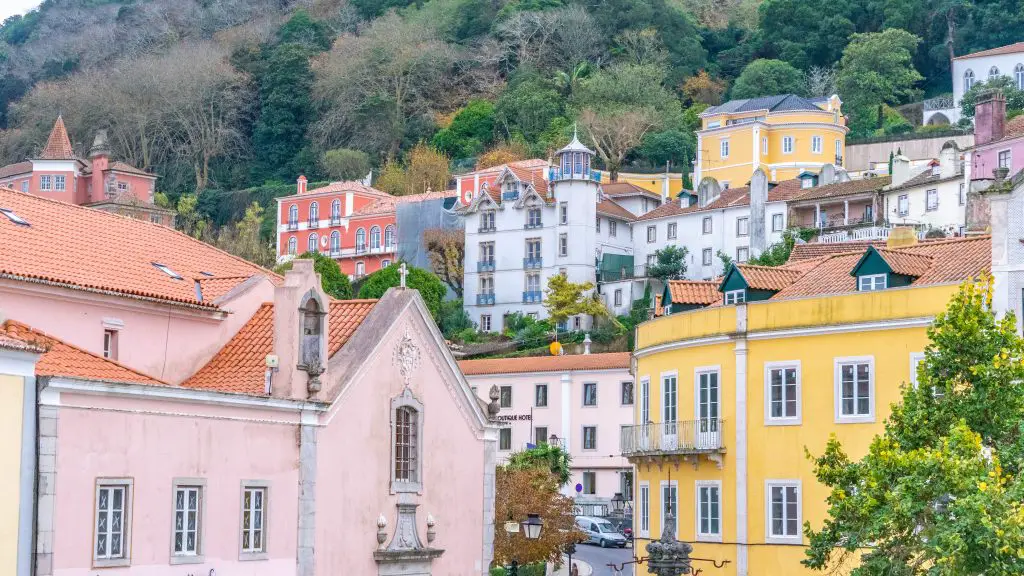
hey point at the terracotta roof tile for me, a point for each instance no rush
(212, 288)
(239, 366)
(90, 249)
(614, 189)
(785, 190)
(767, 277)
(125, 167)
(1008, 49)
(58, 145)
(609, 207)
(8, 343)
(840, 189)
(15, 169)
(347, 186)
(702, 292)
(534, 176)
(64, 360)
(812, 250)
(906, 263)
(608, 361)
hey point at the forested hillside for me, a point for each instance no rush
(229, 94)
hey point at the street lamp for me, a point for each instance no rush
(618, 503)
(531, 528)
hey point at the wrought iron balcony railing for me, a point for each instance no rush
(485, 266)
(532, 296)
(533, 263)
(682, 437)
(485, 299)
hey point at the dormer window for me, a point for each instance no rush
(312, 334)
(872, 282)
(807, 182)
(735, 296)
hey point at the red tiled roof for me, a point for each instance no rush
(213, 287)
(906, 263)
(703, 292)
(15, 169)
(785, 190)
(840, 189)
(614, 189)
(579, 362)
(125, 167)
(534, 177)
(8, 343)
(90, 249)
(1008, 49)
(239, 366)
(609, 207)
(813, 250)
(347, 186)
(58, 145)
(64, 360)
(767, 277)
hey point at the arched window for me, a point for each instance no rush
(293, 214)
(993, 73)
(1018, 76)
(375, 238)
(335, 242)
(311, 244)
(311, 333)
(389, 237)
(406, 444)
(361, 240)
(314, 212)
(293, 245)
(335, 209)
(968, 80)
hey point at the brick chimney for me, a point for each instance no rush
(301, 185)
(900, 170)
(99, 158)
(989, 117)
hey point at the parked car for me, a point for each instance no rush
(624, 524)
(600, 531)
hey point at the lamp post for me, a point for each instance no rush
(618, 503)
(531, 528)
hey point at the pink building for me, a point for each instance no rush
(99, 181)
(998, 143)
(580, 402)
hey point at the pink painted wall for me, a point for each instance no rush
(101, 436)
(984, 159)
(354, 455)
(164, 341)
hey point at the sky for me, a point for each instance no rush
(11, 7)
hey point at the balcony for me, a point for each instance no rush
(509, 195)
(533, 263)
(485, 299)
(361, 249)
(684, 438)
(868, 233)
(943, 102)
(314, 223)
(556, 173)
(486, 229)
(533, 225)
(335, 220)
(485, 266)
(293, 225)
(532, 296)
(637, 272)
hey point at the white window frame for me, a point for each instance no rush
(536, 389)
(253, 553)
(485, 319)
(817, 144)
(743, 227)
(706, 257)
(707, 225)
(664, 400)
(60, 182)
(662, 485)
(407, 401)
(198, 555)
(698, 512)
(903, 205)
(869, 282)
(643, 508)
(788, 144)
(644, 407)
(1004, 158)
(652, 234)
(723, 147)
(968, 79)
(735, 297)
(837, 390)
(563, 213)
(764, 145)
(778, 222)
(612, 228)
(769, 420)
(742, 254)
(110, 342)
(776, 539)
(930, 195)
(125, 559)
(46, 182)
(672, 230)
(915, 359)
(563, 244)
(507, 430)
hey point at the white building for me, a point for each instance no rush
(970, 69)
(934, 197)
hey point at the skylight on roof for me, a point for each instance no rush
(166, 270)
(14, 217)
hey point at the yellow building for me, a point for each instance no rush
(730, 395)
(662, 183)
(785, 135)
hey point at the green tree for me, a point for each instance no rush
(778, 254)
(726, 261)
(808, 32)
(332, 280)
(370, 9)
(527, 106)
(670, 146)
(940, 491)
(670, 265)
(471, 130)
(1005, 84)
(547, 456)
(305, 30)
(431, 288)
(345, 164)
(563, 299)
(766, 77)
(877, 69)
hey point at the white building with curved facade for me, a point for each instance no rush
(971, 69)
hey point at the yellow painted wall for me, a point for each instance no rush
(652, 182)
(12, 390)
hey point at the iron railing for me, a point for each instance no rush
(313, 223)
(532, 296)
(485, 299)
(293, 224)
(485, 266)
(943, 102)
(556, 173)
(680, 437)
(622, 273)
(533, 263)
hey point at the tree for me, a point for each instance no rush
(553, 457)
(1014, 96)
(563, 299)
(527, 106)
(766, 77)
(285, 111)
(345, 164)
(188, 219)
(641, 47)
(503, 154)
(243, 239)
(470, 131)
(332, 280)
(877, 69)
(778, 253)
(446, 249)
(534, 490)
(726, 261)
(672, 147)
(671, 264)
(425, 169)
(431, 289)
(701, 88)
(821, 81)
(940, 491)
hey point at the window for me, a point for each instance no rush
(563, 244)
(487, 252)
(670, 503)
(533, 283)
(777, 223)
(254, 502)
(589, 483)
(540, 435)
(406, 444)
(782, 393)
(45, 182)
(706, 257)
(590, 437)
(532, 249)
(1004, 159)
(787, 144)
(487, 221)
(360, 269)
(742, 254)
(968, 80)
(817, 144)
(335, 242)
(963, 195)
(506, 397)
(764, 145)
(314, 213)
(165, 269)
(293, 215)
(311, 242)
(24, 185)
(855, 390)
(1018, 76)
(540, 395)
(360, 240)
(724, 147)
(652, 259)
(112, 539)
(485, 322)
(783, 514)
(612, 228)
(742, 226)
(993, 73)
(375, 238)
(187, 532)
(505, 439)
(903, 205)
(389, 237)
(931, 200)
(385, 263)
(597, 223)
(626, 389)
(839, 149)
(652, 234)
(618, 297)
(335, 209)
(590, 393)
(110, 344)
(725, 184)
(870, 282)
(533, 218)
(709, 510)
(669, 400)
(293, 245)
(706, 225)
(645, 401)
(576, 323)
(807, 182)
(644, 512)
(707, 408)
(122, 187)
(735, 296)
(671, 231)
(563, 213)
(59, 183)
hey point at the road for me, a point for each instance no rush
(600, 557)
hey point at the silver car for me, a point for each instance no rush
(600, 531)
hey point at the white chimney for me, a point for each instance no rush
(949, 160)
(586, 344)
(900, 170)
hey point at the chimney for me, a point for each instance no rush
(758, 200)
(901, 237)
(301, 185)
(665, 195)
(949, 159)
(586, 344)
(827, 175)
(900, 170)
(99, 158)
(708, 191)
(989, 117)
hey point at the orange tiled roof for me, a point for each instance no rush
(239, 366)
(608, 361)
(841, 189)
(813, 250)
(347, 186)
(64, 360)
(767, 277)
(609, 207)
(534, 176)
(58, 145)
(15, 169)
(90, 249)
(785, 190)
(214, 287)
(703, 292)
(614, 189)
(8, 343)
(906, 263)
(1008, 49)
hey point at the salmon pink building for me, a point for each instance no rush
(98, 181)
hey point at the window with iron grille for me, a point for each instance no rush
(253, 520)
(406, 424)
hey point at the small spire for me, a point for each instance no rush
(58, 145)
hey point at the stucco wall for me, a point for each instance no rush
(11, 422)
(861, 156)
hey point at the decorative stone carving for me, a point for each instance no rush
(431, 533)
(406, 553)
(382, 534)
(493, 407)
(668, 556)
(407, 357)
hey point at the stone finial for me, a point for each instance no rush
(493, 407)
(668, 556)
(382, 535)
(100, 145)
(431, 533)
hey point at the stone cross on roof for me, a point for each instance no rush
(403, 272)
